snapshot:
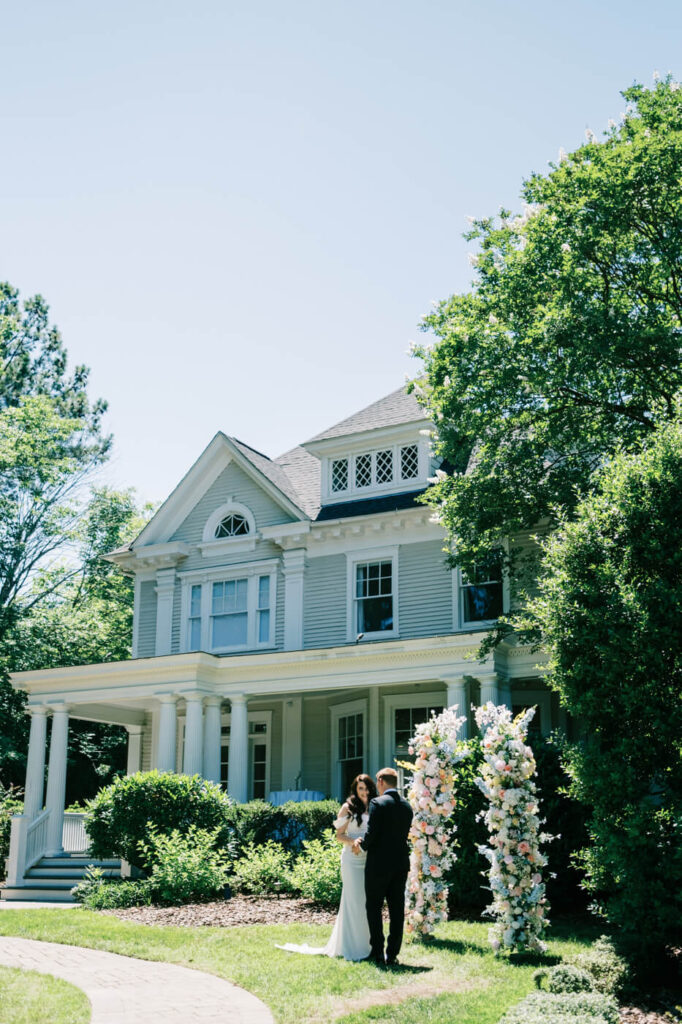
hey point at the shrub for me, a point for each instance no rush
(9, 805)
(316, 873)
(565, 978)
(255, 823)
(309, 819)
(610, 971)
(262, 869)
(185, 868)
(122, 814)
(563, 1008)
(97, 893)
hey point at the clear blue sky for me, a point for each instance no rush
(239, 212)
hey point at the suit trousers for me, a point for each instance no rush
(389, 886)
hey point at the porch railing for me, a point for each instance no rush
(74, 837)
(36, 839)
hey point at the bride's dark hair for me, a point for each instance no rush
(356, 805)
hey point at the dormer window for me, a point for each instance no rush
(232, 525)
(385, 467)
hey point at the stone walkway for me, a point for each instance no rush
(124, 990)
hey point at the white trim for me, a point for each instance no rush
(358, 557)
(337, 711)
(397, 701)
(397, 485)
(359, 440)
(137, 598)
(212, 546)
(222, 574)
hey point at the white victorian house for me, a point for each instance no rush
(294, 618)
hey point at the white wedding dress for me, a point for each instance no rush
(350, 937)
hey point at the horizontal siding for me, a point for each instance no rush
(324, 602)
(233, 483)
(316, 742)
(176, 625)
(279, 613)
(146, 636)
(424, 590)
(146, 765)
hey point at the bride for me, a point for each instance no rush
(350, 937)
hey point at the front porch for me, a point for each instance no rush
(264, 726)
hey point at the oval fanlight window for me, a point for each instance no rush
(233, 525)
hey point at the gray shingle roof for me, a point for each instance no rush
(303, 469)
(272, 470)
(398, 407)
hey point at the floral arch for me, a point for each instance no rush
(518, 904)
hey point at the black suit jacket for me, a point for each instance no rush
(385, 840)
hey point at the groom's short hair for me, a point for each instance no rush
(389, 776)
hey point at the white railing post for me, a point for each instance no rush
(35, 763)
(16, 864)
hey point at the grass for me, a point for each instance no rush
(27, 997)
(455, 977)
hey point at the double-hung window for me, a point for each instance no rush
(481, 594)
(372, 586)
(231, 612)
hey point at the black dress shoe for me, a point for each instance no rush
(372, 960)
(392, 961)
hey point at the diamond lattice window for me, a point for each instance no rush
(409, 462)
(363, 470)
(384, 466)
(340, 475)
(232, 526)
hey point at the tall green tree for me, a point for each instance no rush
(567, 346)
(51, 441)
(85, 619)
(609, 610)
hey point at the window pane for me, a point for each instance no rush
(363, 470)
(375, 614)
(482, 602)
(409, 462)
(195, 602)
(384, 466)
(340, 475)
(195, 634)
(264, 592)
(229, 630)
(263, 627)
(232, 526)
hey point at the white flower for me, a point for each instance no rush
(656, 76)
(589, 135)
(612, 123)
(674, 86)
(562, 154)
(473, 259)
(565, 247)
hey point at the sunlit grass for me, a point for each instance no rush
(27, 997)
(455, 977)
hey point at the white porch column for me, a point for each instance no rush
(490, 690)
(238, 764)
(212, 737)
(56, 780)
(165, 588)
(35, 763)
(165, 760)
(134, 749)
(457, 694)
(373, 760)
(193, 761)
(292, 743)
(505, 688)
(293, 564)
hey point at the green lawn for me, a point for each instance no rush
(27, 997)
(455, 977)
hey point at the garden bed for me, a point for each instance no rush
(239, 910)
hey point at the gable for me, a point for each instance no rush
(232, 484)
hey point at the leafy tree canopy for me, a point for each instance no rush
(568, 344)
(50, 442)
(608, 611)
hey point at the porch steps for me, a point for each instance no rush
(52, 878)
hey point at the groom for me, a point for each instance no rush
(388, 862)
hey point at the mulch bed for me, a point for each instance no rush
(236, 911)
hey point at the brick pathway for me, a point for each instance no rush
(124, 990)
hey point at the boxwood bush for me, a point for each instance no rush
(132, 808)
(563, 1008)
